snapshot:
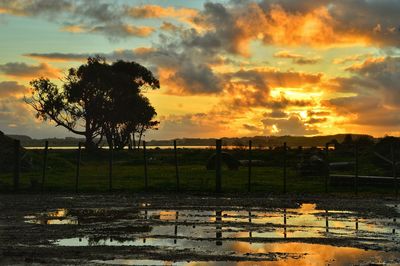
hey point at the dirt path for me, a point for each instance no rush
(184, 229)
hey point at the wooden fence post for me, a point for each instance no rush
(110, 167)
(249, 173)
(284, 167)
(356, 170)
(45, 152)
(176, 167)
(394, 169)
(17, 166)
(327, 173)
(78, 166)
(218, 166)
(145, 166)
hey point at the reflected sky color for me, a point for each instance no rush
(267, 237)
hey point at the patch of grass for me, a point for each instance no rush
(128, 173)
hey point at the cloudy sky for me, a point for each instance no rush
(227, 68)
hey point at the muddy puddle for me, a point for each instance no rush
(305, 235)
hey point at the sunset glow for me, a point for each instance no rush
(226, 68)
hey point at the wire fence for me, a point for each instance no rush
(281, 169)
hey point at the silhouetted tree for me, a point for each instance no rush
(335, 143)
(365, 141)
(98, 100)
(127, 118)
(347, 141)
(387, 143)
(126, 111)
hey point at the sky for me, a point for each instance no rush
(227, 68)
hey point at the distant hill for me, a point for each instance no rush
(258, 141)
(20, 137)
(262, 141)
(27, 141)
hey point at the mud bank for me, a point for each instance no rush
(156, 229)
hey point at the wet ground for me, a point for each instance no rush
(198, 230)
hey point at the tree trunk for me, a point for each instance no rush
(109, 139)
(89, 144)
(140, 136)
(130, 142)
(89, 135)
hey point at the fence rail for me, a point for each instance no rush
(250, 164)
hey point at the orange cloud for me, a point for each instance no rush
(369, 100)
(277, 78)
(155, 11)
(287, 54)
(11, 89)
(23, 70)
(124, 30)
(351, 58)
(297, 58)
(167, 26)
(236, 27)
(198, 125)
(74, 28)
(58, 57)
(143, 50)
(143, 31)
(315, 28)
(368, 62)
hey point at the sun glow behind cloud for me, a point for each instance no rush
(226, 69)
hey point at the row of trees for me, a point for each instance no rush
(99, 100)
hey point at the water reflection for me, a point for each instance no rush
(284, 223)
(250, 231)
(314, 254)
(59, 216)
(256, 234)
(176, 226)
(306, 221)
(326, 221)
(218, 227)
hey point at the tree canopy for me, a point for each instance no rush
(99, 100)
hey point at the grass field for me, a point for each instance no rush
(128, 172)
